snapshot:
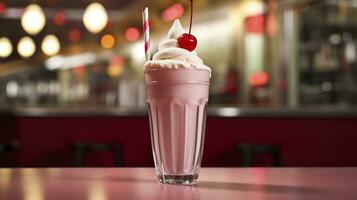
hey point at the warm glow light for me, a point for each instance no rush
(5, 47)
(115, 70)
(173, 12)
(259, 79)
(50, 45)
(32, 186)
(117, 60)
(107, 41)
(74, 35)
(271, 18)
(2, 7)
(95, 17)
(33, 19)
(26, 47)
(253, 7)
(59, 18)
(255, 24)
(116, 67)
(132, 34)
(271, 25)
(79, 69)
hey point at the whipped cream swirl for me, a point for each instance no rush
(170, 55)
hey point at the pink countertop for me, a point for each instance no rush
(214, 183)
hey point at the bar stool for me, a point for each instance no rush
(9, 146)
(5, 149)
(250, 151)
(81, 148)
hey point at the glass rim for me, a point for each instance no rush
(177, 83)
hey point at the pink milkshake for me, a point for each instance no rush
(177, 85)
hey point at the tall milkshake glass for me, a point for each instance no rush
(177, 88)
(177, 109)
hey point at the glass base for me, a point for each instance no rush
(178, 179)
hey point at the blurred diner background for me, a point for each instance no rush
(283, 89)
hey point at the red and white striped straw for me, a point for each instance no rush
(146, 28)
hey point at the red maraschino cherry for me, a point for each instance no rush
(187, 40)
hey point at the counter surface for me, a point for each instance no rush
(214, 183)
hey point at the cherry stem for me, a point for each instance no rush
(191, 2)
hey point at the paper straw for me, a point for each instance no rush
(146, 28)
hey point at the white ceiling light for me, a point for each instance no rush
(33, 19)
(5, 47)
(26, 47)
(95, 17)
(253, 7)
(50, 45)
(67, 62)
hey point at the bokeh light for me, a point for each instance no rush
(50, 45)
(95, 17)
(115, 71)
(33, 19)
(5, 47)
(259, 79)
(12, 89)
(59, 18)
(253, 7)
(26, 47)
(107, 41)
(117, 60)
(116, 67)
(173, 12)
(255, 24)
(74, 35)
(2, 7)
(80, 69)
(132, 34)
